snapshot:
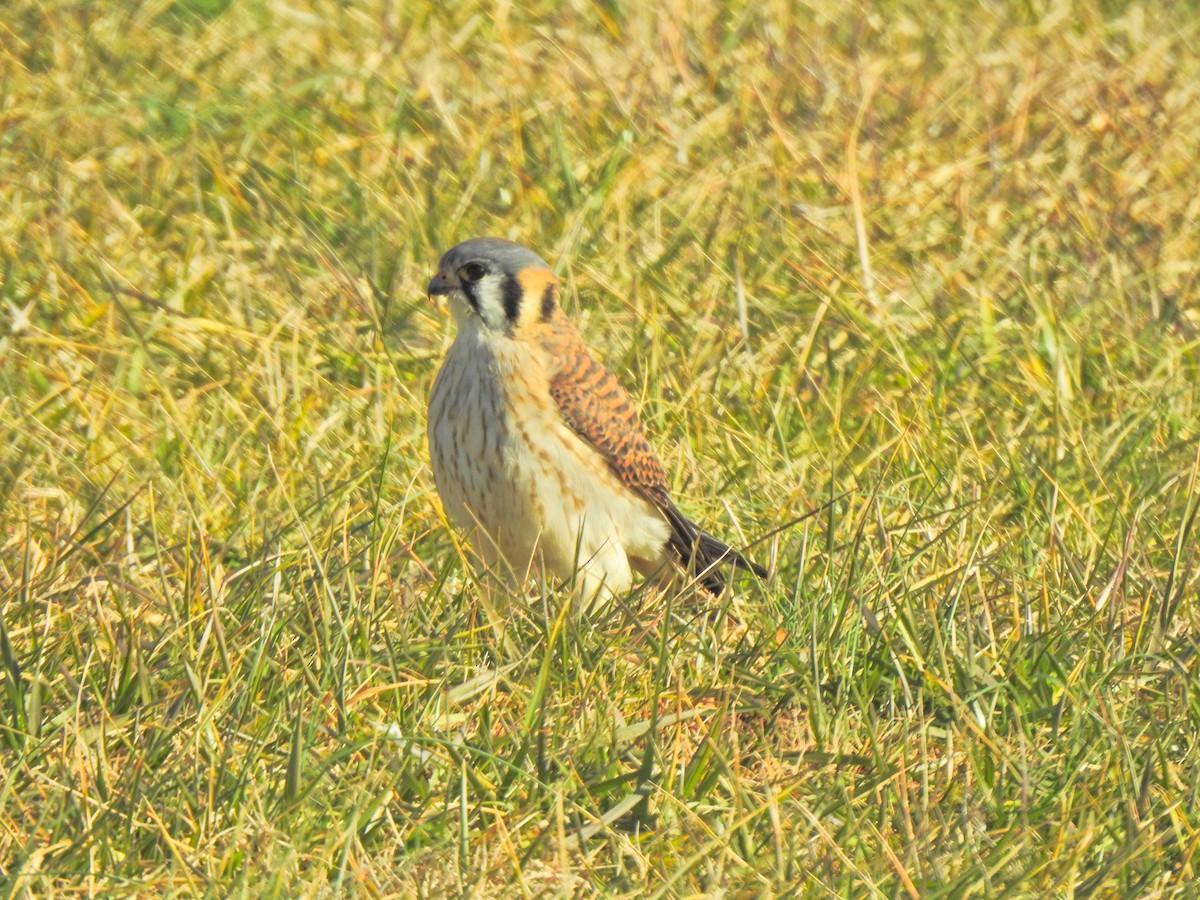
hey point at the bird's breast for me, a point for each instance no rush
(479, 412)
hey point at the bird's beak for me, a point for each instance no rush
(438, 286)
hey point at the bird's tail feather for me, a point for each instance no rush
(702, 552)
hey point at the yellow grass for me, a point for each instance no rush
(927, 269)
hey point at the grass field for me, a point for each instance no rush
(928, 271)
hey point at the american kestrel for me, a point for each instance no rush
(537, 451)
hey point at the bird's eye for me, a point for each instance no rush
(472, 271)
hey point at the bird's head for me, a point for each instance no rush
(495, 285)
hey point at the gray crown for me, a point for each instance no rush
(508, 257)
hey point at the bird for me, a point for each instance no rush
(537, 450)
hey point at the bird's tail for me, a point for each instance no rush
(701, 553)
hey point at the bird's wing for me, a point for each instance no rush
(596, 407)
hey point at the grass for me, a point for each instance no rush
(930, 270)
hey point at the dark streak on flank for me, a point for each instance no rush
(548, 302)
(512, 298)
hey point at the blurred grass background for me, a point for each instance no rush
(934, 262)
